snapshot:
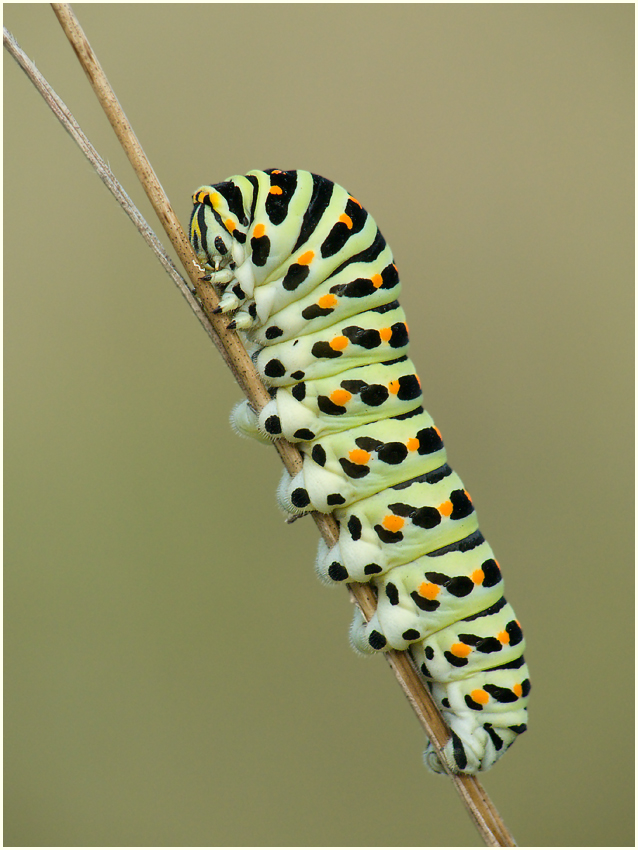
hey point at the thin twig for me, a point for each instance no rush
(64, 115)
(481, 809)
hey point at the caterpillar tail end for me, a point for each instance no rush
(466, 754)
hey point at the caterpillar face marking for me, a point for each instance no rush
(311, 284)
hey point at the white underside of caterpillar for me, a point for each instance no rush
(309, 281)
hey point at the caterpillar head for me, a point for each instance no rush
(218, 241)
(214, 231)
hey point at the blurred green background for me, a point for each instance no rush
(175, 674)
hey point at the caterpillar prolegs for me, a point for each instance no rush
(311, 284)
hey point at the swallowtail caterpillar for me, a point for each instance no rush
(310, 283)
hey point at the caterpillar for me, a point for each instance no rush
(308, 280)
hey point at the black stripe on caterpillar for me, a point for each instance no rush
(312, 287)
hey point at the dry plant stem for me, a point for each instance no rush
(234, 352)
(64, 115)
(481, 809)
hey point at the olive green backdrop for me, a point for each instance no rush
(175, 674)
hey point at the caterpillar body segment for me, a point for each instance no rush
(309, 410)
(399, 524)
(312, 286)
(421, 598)
(345, 467)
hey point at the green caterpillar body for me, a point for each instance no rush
(311, 285)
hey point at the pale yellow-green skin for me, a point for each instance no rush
(308, 280)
